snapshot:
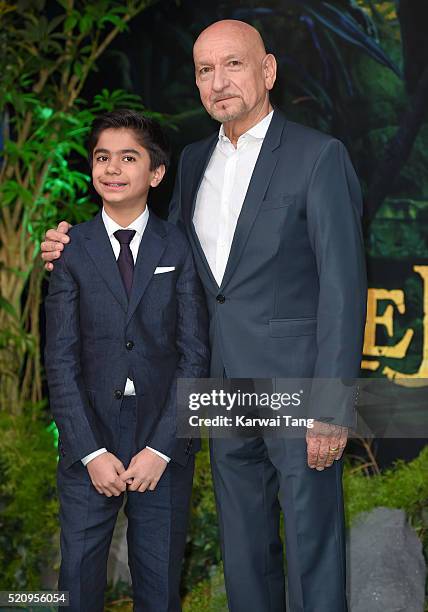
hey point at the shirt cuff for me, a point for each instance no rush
(167, 459)
(91, 456)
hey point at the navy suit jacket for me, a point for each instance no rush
(292, 301)
(96, 338)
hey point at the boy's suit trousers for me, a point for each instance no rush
(157, 525)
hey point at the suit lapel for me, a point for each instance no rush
(204, 157)
(151, 249)
(152, 246)
(98, 245)
(263, 170)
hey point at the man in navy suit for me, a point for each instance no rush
(125, 317)
(273, 211)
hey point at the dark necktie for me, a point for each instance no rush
(125, 261)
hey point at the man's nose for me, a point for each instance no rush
(220, 80)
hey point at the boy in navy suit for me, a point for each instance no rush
(125, 318)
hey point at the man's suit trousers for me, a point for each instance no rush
(253, 479)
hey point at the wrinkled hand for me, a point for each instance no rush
(104, 472)
(54, 244)
(145, 470)
(321, 441)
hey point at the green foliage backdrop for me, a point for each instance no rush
(358, 69)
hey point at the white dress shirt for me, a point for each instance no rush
(139, 225)
(222, 193)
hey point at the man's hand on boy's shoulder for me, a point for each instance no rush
(146, 469)
(54, 243)
(105, 471)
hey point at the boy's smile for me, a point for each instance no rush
(115, 186)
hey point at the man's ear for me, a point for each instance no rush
(158, 175)
(269, 70)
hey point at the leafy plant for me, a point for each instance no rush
(403, 486)
(203, 548)
(47, 51)
(28, 503)
(208, 596)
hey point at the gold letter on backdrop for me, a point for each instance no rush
(398, 350)
(399, 377)
(373, 319)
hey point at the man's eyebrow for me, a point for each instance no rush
(239, 56)
(123, 151)
(230, 56)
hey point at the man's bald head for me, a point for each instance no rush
(233, 29)
(233, 72)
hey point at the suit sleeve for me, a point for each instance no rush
(192, 345)
(334, 208)
(68, 399)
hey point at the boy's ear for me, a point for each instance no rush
(158, 175)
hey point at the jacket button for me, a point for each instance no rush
(129, 345)
(118, 394)
(220, 299)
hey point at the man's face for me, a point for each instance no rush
(121, 168)
(229, 74)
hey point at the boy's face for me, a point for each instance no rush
(121, 169)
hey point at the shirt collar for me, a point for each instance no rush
(258, 131)
(139, 224)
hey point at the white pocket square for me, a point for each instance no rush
(161, 270)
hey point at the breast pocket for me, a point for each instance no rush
(278, 201)
(161, 291)
(167, 279)
(282, 328)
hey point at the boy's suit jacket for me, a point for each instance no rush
(96, 338)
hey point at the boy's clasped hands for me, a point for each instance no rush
(110, 478)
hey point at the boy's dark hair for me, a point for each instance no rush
(147, 131)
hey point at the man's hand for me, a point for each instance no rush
(326, 444)
(105, 471)
(54, 244)
(145, 469)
